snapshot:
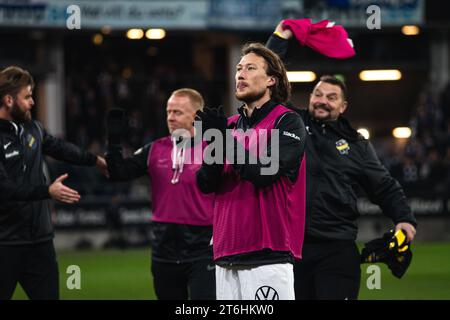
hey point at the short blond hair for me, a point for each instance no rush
(193, 95)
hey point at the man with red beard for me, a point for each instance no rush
(27, 254)
(258, 216)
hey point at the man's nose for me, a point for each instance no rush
(321, 100)
(240, 75)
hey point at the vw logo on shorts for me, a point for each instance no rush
(266, 293)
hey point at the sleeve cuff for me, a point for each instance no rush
(411, 220)
(278, 34)
(91, 159)
(42, 192)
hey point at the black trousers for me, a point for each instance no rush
(328, 271)
(33, 266)
(190, 280)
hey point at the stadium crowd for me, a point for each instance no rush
(424, 160)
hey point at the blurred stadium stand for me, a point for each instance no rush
(81, 74)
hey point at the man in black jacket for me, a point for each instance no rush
(27, 254)
(339, 162)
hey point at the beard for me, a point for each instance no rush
(249, 96)
(313, 108)
(19, 115)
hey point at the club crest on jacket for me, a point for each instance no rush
(342, 146)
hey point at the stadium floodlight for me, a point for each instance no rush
(380, 75)
(410, 30)
(364, 132)
(97, 39)
(155, 34)
(401, 132)
(135, 34)
(301, 76)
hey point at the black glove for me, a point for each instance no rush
(392, 249)
(116, 126)
(212, 118)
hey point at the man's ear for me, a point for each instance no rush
(271, 82)
(344, 107)
(7, 101)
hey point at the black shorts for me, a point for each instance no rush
(190, 280)
(329, 270)
(34, 266)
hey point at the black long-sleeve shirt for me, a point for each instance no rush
(121, 169)
(24, 213)
(291, 146)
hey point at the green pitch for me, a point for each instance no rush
(108, 274)
(428, 276)
(114, 274)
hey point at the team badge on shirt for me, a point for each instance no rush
(342, 146)
(31, 142)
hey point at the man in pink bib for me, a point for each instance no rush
(259, 209)
(182, 264)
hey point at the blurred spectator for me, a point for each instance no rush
(116, 228)
(424, 165)
(407, 172)
(433, 172)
